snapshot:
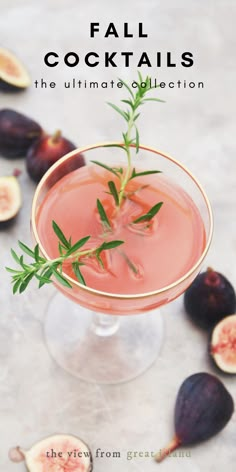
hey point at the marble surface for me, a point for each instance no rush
(37, 398)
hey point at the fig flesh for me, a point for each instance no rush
(13, 74)
(60, 452)
(17, 133)
(210, 298)
(10, 199)
(223, 345)
(45, 152)
(203, 408)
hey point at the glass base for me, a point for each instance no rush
(99, 348)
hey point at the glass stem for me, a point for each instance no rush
(105, 325)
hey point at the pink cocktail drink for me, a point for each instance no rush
(154, 255)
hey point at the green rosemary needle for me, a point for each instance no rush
(150, 214)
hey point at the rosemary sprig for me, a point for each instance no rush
(130, 137)
(43, 269)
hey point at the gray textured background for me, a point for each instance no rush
(195, 126)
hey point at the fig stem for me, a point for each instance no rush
(163, 453)
(212, 276)
(16, 454)
(16, 172)
(56, 136)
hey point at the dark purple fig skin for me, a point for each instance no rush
(8, 224)
(17, 133)
(209, 298)
(9, 88)
(203, 407)
(46, 151)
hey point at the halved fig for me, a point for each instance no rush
(10, 199)
(223, 345)
(13, 74)
(17, 133)
(64, 453)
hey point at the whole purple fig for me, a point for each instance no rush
(203, 408)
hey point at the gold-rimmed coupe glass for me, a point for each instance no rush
(86, 330)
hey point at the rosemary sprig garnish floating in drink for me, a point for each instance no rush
(130, 137)
(44, 269)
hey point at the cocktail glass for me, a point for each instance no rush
(86, 330)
